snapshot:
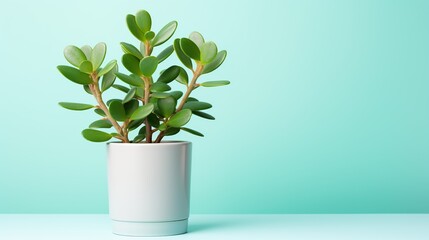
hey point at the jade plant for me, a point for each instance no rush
(149, 105)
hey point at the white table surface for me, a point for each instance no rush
(226, 227)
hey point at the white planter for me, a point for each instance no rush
(149, 188)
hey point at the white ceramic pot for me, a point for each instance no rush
(149, 187)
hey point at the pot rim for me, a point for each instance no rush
(163, 143)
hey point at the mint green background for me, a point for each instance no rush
(328, 110)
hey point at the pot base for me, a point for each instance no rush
(149, 229)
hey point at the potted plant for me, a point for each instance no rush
(149, 179)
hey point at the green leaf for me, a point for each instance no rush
(87, 89)
(98, 54)
(165, 33)
(162, 127)
(95, 135)
(182, 56)
(139, 138)
(171, 131)
(116, 109)
(167, 106)
(192, 131)
(130, 107)
(215, 83)
(142, 130)
(75, 75)
(112, 100)
(109, 78)
(103, 123)
(169, 74)
(197, 38)
(121, 88)
(75, 106)
(135, 124)
(159, 87)
(140, 92)
(99, 112)
(74, 55)
(130, 95)
(109, 66)
(142, 49)
(133, 27)
(128, 48)
(203, 115)
(131, 63)
(160, 95)
(208, 52)
(176, 94)
(153, 120)
(143, 20)
(196, 106)
(149, 35)
(180, 118)
(190, 49)
(142, 112)
(191, 99)
(183, 77)
(148, 65)
(213, 65)
(133, 80)
(87, 50)
(165, 53)
(86, 67)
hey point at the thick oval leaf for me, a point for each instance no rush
(128, 48)
(87, 50)
(139, 138)
(112, 100)
(169, 74)
(192, 131)
(116, 109)
(130, 95)
(165, 33)
(95, 135)
(203, 115)
(98, 54)
(148, 65)
(190, 49)
(100, 112)
(131, 63)
(134, 29)
(196, 106)
(133, 80)
(143, 49)
(74, 55)
(171, 131)
(214, 83)
(159, 87)
(109, 78)
(183, 77)
(130, 107)
(75, 106)
(191, 99)
(75, 75)
(208, 52)
(167, 106)
(103, 123)
(149, 35)
(143, 20)
(180, 118)
(162, 127)
(121, 88)
(176, 94)
(153, 120)
(140, 92)
(182, 56)
(109, 66)
(135, 124)
(213, 65)
(142, 112)
(165, 53)
(86, 67)
(197, 38)
(160, 95)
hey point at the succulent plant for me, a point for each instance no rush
(149, 106)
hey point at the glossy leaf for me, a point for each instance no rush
(112, 100)
(149, 35)
(133, 27)
(213, 65)
(171, 131)
(121, 88)
(87, 50)
(134, 124)
(131, 79)
(192, 131)
(139, 138)
(180, 118)
(176, 94)
(142, 49)
(197, 38)
(109, 66)
(100, 112)
(190, 49)
(109, 78)
(208, 52)
(142, 130)
(131, 63)
(74, 55)
(162, 127)
(165, 33)
(140, 92)
(142, 112)
(116, 109)
(86, 67)
(103, 123)
(196, 105)
(95, 135)
(75, 75)
(203, 115)
(130, 49)
(98, 54)
(130, 95)
(183, 77)
(143, 21)
(182, 56)
(159, 87)
(215, 83)
(148, 65)
(160, 95)
(165, 53)
(130, 107)
(169, 74)
(153, 120)
(75, 106)
(191, 99)
(167, 106)
(87, 89)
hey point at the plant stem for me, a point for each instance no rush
(147, 82)
(160, 136)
